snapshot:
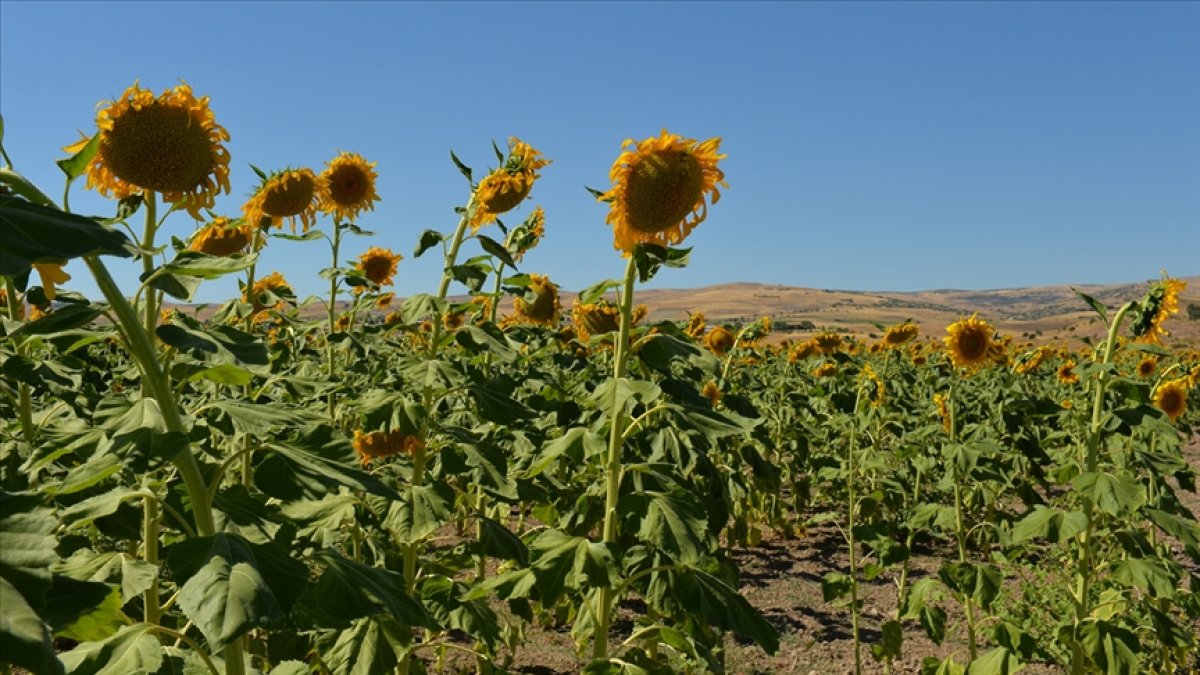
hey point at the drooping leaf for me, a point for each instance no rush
(717, 603)
(24, 638)
(1053, 524)
(231, 585)
(35, 233)
(27, 529)
(676, 523)
(420, 511)
(445, 599)
(348, 590)
(133, 650)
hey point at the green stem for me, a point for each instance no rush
(25, 400)
(155, 384)
(495, 309)
(1084, 571)
(851, 497)
(147, 243)
(150, 527)
(612, 473)
(960, 531)
(330, 356)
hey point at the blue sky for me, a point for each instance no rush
(889, 146)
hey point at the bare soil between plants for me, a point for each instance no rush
(782, 579)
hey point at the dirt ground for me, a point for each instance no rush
(782, 578)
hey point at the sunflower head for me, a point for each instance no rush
(1160, 302)
(287, 195)
(506, 187)
(899, 334)
(379, 265)
(379, 444)
(828, 343)
(351, 182)
(170, 144)
(528, 234)
(1147, 366)
(222, 237)
(719, 340)
(544, 308)
(826, 369)
(1171, 397)
(696, 325)
(270, 292)
(1067, 374)
(712, 392)
(943, 410)
(872, 385)
(1029, 361)
(802, 351)
(595, 318)
(969, 341)
(659, 189)
(384, 301)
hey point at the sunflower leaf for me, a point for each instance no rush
(650, 257)
(462, 168)
(497, 249)
(33, 233)
(75, 165)
(1093, 303)
(429, 239)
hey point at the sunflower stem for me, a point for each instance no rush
(330, 355)
(1084, 571)
(495, 309)
(612, 473)
(25, 400)
(147, 245)
(155, 384)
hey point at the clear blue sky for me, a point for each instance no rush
(890, 146)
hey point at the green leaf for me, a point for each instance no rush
(27, 529)
(311, 235)
(232, 585)
(24, 639)
(61, 319)
(187, 333)
(597, 290)
(101, 623)
(77, 165)
(133, 650)
(132, 574)
(368, 647)
(34, 233)
(349, 590)
(891, 641)
(311, 465)
(254, 418)
(469, 275)
(931, 665)
(676, 523)
(1095, 304)
(1186, 531)
(1053, 524)
(497, 249)
(650, 257)
(1114, 495)
(1113, 649)
(998, 661)
(562, 560)
(1147, 574)
(577, 443)
(835, 586)
(445, 600)
(720, 605)
(462, 168)
(619, 392)
(486, 338)
(919, 605)
(978, 581)
(420, 512)
(497, 541)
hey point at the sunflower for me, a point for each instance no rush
(695, 325)
(1161, 301)
(222, 237)
(545, 308)
(659, 186)
(170, 144)
(1171, 397)
(1147, 366)
(802, 351)
(943, 410)
(506, 187)
(342, 323)
(1029, 361)
(351, 182)
(527, 235)
(52, 275)
(828, 343)
(897, 335)
(452, 321)
(379, 265)
(393, 318)
(872, 382)
(1067, 374)
(384, 301)
(600, 317)
(379, 444)
(969, 342)
(272, 286)
(712, 392)
(826, 369)
(719, 340)
(287, 195)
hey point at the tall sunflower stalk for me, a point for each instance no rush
(658, 198)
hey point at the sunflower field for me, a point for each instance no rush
(431, 484)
